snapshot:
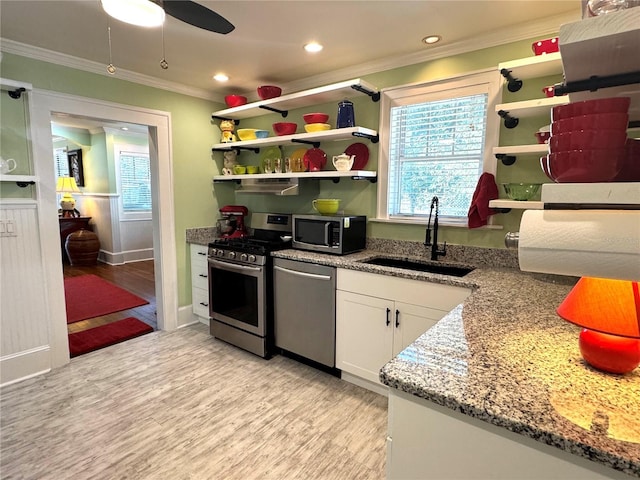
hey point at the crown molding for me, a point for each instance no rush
(49, 56)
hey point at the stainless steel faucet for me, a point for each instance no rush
(435, 252)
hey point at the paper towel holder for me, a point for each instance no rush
(511, 240)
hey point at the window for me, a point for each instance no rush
(135, 181)
(436, 139)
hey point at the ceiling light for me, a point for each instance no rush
(143, 13)
(431, 39)
(313, 47)
(221, 77)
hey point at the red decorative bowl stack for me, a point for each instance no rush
(589, 142)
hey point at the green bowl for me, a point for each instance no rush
(521, 191)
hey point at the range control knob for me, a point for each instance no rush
(243, 257)
(220, 252)
(232, 254)
(252, 258)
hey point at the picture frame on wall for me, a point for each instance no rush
(75, 166)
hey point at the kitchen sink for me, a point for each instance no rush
(454, 270)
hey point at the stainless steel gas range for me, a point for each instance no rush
(240, 284)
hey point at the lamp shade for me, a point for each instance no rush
(609, 311)
(604, 305)
(67, 185)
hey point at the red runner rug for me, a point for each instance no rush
(89, 296)
(106, 335)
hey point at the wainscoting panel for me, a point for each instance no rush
(23, 310)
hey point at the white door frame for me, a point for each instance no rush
(43, 104)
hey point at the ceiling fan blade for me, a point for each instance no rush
(197, 15)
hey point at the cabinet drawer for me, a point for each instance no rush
(199, 253)
(199, 277)
(415, 292)
(200, 299)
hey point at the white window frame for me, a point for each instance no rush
(127, 215)
(487, 80)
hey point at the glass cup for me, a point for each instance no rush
(288, 165)
(267, 165)
(277, 165)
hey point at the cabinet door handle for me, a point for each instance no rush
(388, 312)
(397, 318)
(204, 304)
(202, 253)
(201, 275)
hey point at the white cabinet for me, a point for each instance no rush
(378, 316)
(200, 282)
(429, 441)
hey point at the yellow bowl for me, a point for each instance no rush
(326, 206)
(317, 127)
(253, 169)
(246, 133)
(239, 169)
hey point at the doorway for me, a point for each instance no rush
(43, 107)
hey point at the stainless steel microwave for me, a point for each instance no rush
(337, 234)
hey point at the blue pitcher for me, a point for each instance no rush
(346, 117)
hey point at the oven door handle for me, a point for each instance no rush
(302, 274)
(233, 266)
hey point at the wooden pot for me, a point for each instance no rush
(82, 248)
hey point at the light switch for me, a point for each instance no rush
(8, 228)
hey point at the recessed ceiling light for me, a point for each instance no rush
(431, 39)
(221, 77)
(124, 128)
(313, 47)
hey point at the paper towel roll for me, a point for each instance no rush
(582, 243)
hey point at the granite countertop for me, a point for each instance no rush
(505, 357)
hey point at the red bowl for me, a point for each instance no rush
(543, 137)
(600, 121)
(285, 128)
(587, 140)
(235, 100)
(591, 107)
(266, 92)
(315, 118)
(631, 167)
(586, 166)
(544, 164)
(549, 45)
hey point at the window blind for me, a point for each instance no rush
(135, 181)
(436, 148)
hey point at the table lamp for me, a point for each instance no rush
(67, 186)
(609, 312)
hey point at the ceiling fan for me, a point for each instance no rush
(150, 13)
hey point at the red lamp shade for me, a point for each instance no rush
(609, 311)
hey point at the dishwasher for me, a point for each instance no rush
(305, 310)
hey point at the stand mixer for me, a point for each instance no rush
(232, 223)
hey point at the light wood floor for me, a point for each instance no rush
(182, 405)
(136, 277)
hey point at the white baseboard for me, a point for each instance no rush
(129, 256)
(186, 317)
(23, 365)
(361, 382)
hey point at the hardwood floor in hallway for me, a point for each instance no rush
(183, 405)
(136, 277)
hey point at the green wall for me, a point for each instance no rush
(196, 201)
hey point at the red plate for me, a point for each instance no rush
(361, 151)
(314, 159)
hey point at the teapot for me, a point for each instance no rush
(343, 162)
(6, 165)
